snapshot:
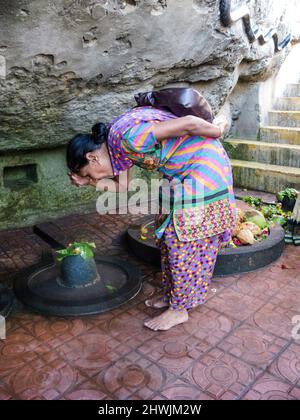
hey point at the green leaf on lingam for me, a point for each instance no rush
(84, 249)
(111, 288)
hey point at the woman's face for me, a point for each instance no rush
(99, 165)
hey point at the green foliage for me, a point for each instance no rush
(84, 249)
(252, 201)
(269, 211)
(274, 214)
(291, 193)
(281, 220)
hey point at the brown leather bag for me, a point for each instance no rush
(179, 101)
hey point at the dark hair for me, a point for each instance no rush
(82, 144)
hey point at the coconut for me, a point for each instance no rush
(251, 226)
(246, 237)
(256, 217)
(239, 215)
(236, 230)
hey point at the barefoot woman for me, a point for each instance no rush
(185, 150)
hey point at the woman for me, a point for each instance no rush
(185, 150)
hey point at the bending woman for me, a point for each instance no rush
(186, 150)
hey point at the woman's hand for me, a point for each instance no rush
(223, 123)
(79, 181)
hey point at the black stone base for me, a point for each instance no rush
(40, 290)
(6, 300)
(230, 261)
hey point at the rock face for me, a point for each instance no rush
(65, 64)
(70, 63)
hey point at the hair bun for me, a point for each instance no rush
(99, 133)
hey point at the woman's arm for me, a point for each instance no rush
(118, 184)
(189, 125)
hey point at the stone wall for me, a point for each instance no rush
(69, 63)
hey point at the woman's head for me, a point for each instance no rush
(87, 154)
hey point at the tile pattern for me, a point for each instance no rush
(238, 345)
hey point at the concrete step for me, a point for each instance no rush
(287, 104)
(282, 135)
(284, 118)
(263, 152)
(292, 89)
(264, 177)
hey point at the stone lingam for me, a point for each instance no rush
(76, 282)
(78, 267)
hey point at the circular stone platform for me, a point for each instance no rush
(230, 261)
(42, 292)
(6, 300)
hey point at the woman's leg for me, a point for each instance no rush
(191, 266)
(162, 300)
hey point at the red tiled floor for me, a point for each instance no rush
(214, 329)
(218, 374)
(179, 390)
(234, 304)
(269, 387)
(54, 331)
(87, 391)
(133, 376)
(92, 351)
(253, 345)
(275, 320)
(287, 366)
(5, 393)
(172, 354)
(18, 250)
(19, 349)
(238, 345)
(41, 379)
(288, 298)
(259, 284)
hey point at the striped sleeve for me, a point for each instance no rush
(140, 138)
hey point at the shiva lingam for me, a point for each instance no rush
(77, 283)
(78, 267)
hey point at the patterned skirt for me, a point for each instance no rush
(187, 267)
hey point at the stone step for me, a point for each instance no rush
(287, 104)
(292, 89)
(263, 152)
(284, 118)
(281, 135)
(265, 177)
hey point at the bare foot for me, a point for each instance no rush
(156, 302)
(167, 320)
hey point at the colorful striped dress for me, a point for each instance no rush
(202, 209)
